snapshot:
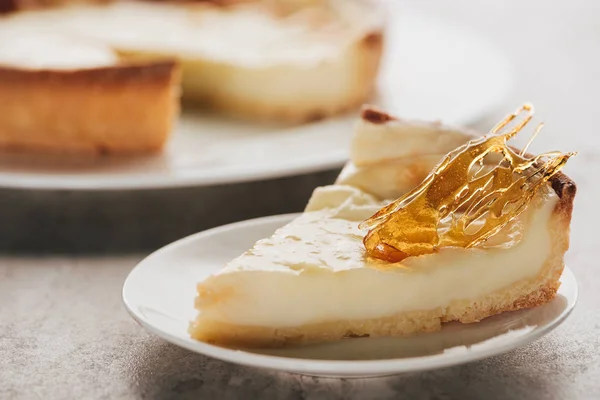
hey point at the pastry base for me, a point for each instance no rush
(120, 109)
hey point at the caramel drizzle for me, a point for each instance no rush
(467, 198)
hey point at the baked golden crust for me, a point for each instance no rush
(375, 116)
(154, 72)
(220, 333)
(23, 5)
(126, 108)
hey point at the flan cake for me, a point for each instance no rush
(317, 279)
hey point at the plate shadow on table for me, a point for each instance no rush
(109, 222)
(167, 371)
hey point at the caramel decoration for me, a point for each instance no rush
(474, 192)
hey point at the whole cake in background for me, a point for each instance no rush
(283, 61)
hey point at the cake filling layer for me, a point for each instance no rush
(51, 51)
(318, 262)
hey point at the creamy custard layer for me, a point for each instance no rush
(31, 50)
(314, 269)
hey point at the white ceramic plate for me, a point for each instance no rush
(159, 293)
(432, 70)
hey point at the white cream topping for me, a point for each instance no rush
(389, 159)
(389, 179)
(51, 51)
(314, 269)
(248, 34)
(375, 143)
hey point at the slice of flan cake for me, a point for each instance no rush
(320, 277)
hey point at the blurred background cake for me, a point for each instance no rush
(275, 61)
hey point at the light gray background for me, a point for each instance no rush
(65, 334)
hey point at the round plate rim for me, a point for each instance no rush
(299, 167)
(341, 368)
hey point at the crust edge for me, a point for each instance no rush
(159, 71)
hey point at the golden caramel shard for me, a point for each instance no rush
(474, 192)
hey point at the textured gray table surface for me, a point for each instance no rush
(65, 334)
